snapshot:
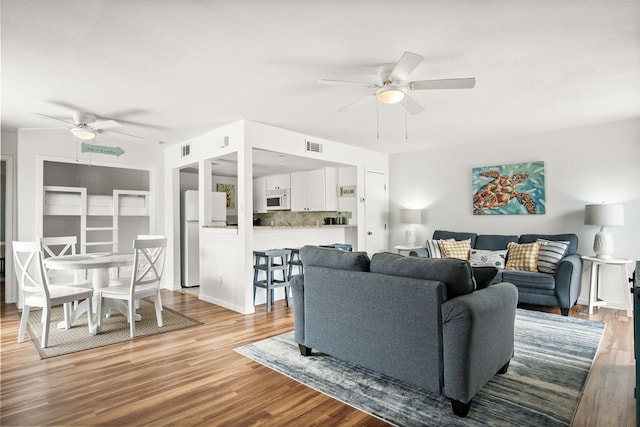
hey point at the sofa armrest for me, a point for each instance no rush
(297, 290)
(420, 253)
(568, 279)
(478, 336)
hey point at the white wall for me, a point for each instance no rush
(582, 165)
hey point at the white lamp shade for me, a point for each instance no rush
(410, 216)
(604, 214)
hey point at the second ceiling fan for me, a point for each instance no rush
(394, 86)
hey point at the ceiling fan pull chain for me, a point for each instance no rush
(377, 119)
(406, 131)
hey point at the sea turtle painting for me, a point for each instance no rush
(506, 193)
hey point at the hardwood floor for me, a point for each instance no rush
(193, 377)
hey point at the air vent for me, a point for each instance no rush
(314, 146)
(186, 150)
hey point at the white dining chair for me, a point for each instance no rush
(148, 266)
(58, 246)
(36, 292)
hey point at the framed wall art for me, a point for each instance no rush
(230, 189)
(514, 189)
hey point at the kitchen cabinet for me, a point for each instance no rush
(260, 195)
(314, 190)
(278, 182)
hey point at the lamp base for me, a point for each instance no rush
(603, 244)
(411, 236)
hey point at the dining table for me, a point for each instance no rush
(99, 263)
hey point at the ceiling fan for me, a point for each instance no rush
(394, 86)
(86, 126)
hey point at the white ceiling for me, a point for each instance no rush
(171, 70)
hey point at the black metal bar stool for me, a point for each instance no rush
(295, 262)
(271, 261)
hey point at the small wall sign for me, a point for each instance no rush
(348, 191)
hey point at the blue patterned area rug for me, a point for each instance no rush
(553, 356)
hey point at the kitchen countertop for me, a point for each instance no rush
(303, 226)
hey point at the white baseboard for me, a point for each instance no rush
(224, 304)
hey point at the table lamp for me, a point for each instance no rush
(602, 215)
(410, 216)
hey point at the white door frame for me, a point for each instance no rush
(10, 283)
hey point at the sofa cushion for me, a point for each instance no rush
(433, 247)
(551, 252)
(484, 258)
(494, 242)
(455, 273)
(529, 279)
(523, 256)
(571, 238)
(334, 258)
(456, 248)
(455, 235)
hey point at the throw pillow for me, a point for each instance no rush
(551, 252)
(485, 258)
(433, 246)
(522, 256)
(456, 249)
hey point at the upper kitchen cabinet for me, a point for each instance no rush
(314, 190)
(278, 182)
(260, 194)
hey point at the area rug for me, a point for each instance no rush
(553, 356)
(115, 329)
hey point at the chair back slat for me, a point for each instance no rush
(148, 264)
(27, 260)
(58, 246)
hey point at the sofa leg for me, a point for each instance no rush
(564, 311)
(304, 350)
(459, 408)
(504, 368)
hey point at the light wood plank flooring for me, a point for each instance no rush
(193, 377)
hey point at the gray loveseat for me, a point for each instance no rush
(420, 321)
(556, 290)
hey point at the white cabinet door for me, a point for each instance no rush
(278, 182)
(298, 195)
(314, 190)
(260, 195)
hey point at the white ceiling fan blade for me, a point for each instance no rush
(412, 106)
(121, 133)
(104, 124)
(356, 103)
(466, 83)
(346, 82)
(407, 63)
(55, 118)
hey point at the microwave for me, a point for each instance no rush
(278, 200)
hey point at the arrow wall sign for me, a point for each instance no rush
(101, 149)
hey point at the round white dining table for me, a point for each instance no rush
(100, 263)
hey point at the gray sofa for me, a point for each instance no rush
(420, 321)
(556, 290)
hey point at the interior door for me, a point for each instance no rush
(377, 233)
(635, 289)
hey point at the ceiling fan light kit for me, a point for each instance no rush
(83, 132)
(391, 94)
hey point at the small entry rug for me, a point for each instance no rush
(115, 329)
(553, 356)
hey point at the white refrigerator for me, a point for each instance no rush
(190, 232)
(190, 242)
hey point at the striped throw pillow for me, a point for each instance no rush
(551, 252)
(433, 246)
(456, 249)
(522, 256)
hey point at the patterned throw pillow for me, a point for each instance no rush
(456, 249)
(522, 256)
(485, 258)
(551, 252)
(433, 246)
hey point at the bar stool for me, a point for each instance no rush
(295, 261)
(271, 261)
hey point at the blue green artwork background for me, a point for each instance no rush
(534, 186)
